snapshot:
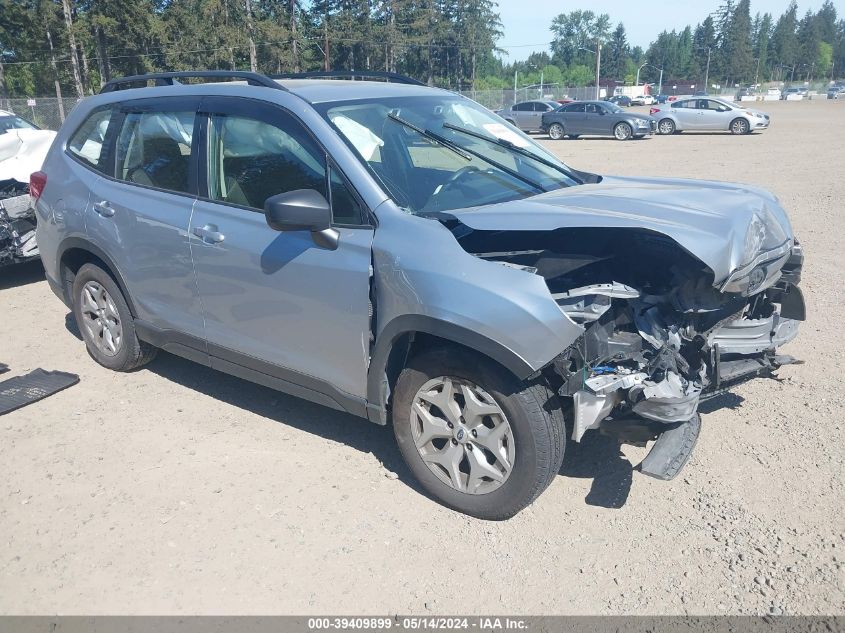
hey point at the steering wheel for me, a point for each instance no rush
(457, 177)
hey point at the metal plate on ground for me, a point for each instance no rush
(20, 391)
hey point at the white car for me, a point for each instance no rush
(23, 147)
(643, 100)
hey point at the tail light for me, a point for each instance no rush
(654, 110)
(37, 182)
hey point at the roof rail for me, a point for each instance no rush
(351, 74)
(169, 79)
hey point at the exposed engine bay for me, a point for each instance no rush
(17, 224)
(658, 335)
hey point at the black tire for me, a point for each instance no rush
(666, 126)
(131, 352)
(623, 132)
(556, 131)
(740, 126)
(573, 137)
(532, 410)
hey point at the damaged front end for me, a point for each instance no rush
(17, 224)
(659, 336)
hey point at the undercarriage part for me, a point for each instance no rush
(671, 450)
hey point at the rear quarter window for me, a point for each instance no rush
(88, 143)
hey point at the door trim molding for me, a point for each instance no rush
(250, 368)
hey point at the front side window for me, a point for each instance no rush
(154, 149)
(250, 160)
(444, 152)
(88, 143)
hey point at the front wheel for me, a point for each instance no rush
(478, 439)
(555, 131)
(666, 126)
(740, 126)
(622, 132)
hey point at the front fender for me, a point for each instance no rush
(424, 281)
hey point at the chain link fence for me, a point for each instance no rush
(498, 99)
(50, 112)
(46, 112)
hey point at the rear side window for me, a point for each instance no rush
(154, 149)
(575, 107)
(88, 143)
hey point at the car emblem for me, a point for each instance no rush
(460, 435)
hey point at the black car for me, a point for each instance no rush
(620, 100)
(596, 118)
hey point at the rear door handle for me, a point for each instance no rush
(209, 234)
(104, 208)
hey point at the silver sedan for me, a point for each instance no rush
(707, 114)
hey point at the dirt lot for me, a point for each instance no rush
(176, 489)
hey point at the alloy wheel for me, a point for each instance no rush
(100, 318)
(462, 435)
(739, 126)
(666, 126)
(622, 131)
(556, 131)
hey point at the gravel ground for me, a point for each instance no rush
(177, 489)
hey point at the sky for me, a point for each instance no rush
(526, 23)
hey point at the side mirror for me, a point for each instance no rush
(302, 210)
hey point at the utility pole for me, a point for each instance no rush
(637, 82)
(326, 41)
(541, 83)
(707, 72)
(598, 70)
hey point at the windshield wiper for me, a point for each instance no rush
(511, 146)
(436, 138)
(466, 152)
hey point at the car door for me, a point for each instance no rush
(277, 303)
(596, 120)
(520, 113)
(717, 116)
(687, 113)
(141, 208)
(573, 118)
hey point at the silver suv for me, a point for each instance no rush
(403, 254)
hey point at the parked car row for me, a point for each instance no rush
(608, 118)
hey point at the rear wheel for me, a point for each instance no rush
(555, 131)
(622, 132)
(666, 126)
(478, 439)
(740, 126)
(105, 322)
(573, 136)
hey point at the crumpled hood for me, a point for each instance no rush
(22, 151)
(709, 219)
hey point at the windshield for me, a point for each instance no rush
(614, 109)
(445, 152)
(13, 123)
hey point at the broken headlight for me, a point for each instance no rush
(766, 247)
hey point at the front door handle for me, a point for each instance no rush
(104, 208)
(209, 234)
